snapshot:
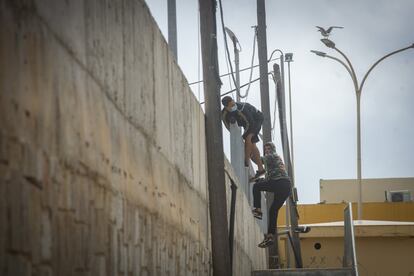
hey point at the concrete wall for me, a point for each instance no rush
(102, 150)
(346, 190)
(247, 230)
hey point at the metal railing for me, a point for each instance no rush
(350, 259)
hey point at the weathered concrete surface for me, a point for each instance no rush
(246, 233)
(102, 147)
(305, 272)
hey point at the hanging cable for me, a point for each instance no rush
(251, 71)
(228, 69)
(231, 91)
(251, 65)
(226, 45)
(227, 74)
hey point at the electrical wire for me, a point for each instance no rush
(227, 64)
(251, 66)
(231, 91)
(251, 71)
(226, 45)
(227, 74)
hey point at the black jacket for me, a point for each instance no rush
(246, 115)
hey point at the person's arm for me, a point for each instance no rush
(224, 114)
(281, 166)
(246, 123)
(264, 161)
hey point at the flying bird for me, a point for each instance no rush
(326, 33)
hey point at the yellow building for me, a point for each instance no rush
(384, 236)
(382, 248)
(330, 212)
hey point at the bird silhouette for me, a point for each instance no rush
(326, 33)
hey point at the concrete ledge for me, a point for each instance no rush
(305, 272)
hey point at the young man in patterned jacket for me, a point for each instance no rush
(276, 181)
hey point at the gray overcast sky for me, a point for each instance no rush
(324, 104)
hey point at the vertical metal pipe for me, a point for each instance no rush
(236, 61)
(291, 126)
(359, 169)
(172, 27)
(290, 203)
(214, 141)
(265, 105)
(285, 148)
(232, 219)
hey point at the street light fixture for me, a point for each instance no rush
(329, 43)
(358, 90)
(319, 53)
(323, 54)
(289, 57)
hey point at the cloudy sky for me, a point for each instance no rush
(323, 100)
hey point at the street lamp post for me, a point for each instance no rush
(358, 91)
(291, 211)
(284, 145)
(289, 59)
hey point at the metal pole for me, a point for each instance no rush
(264, 80)
(359, 165)
(358, 92)
(265, 105)
(290, 203)
(214, 141)
(232, 219)
(280, 88)
(172, 27)
(287, 205)
(291, 126)
(358, 95)
(358, 98)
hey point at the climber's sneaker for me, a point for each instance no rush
(268, 241)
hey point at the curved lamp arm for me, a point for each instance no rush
(343, 63)
(276, 50)
(323, 54)
(381, 59)
(354, 78)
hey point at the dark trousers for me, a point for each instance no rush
(281, 191)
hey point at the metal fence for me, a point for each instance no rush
(350, 259)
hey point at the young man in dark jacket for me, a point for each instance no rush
(251, 119)
(276, 181)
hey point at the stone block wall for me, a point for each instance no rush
(102, 147)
